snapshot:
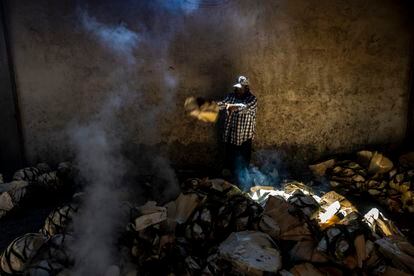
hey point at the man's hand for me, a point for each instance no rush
(232, 108)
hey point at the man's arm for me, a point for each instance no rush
(249, 107)
(223, 104)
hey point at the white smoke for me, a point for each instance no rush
(103, 168)
(185, 6)
(98, 145)
(118, 38)
(268, 171)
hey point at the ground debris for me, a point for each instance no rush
(28, 181)
(11, 194)
(391, 184)
(18, 255)
(250, 252)
(213, 228)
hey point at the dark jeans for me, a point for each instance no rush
(237, 159)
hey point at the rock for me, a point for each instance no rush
(306, 204)
(350, 262)
(331, 197)
(66, 173)
(192, 266)
(222, 185)
(59, 220)
(52, 258)
(364, 157)
(221, 214)
(406, 247)
(292, 186)
(334, 184)
(284, 272)
(407, 199)
(407, 160)
(269, 225)
(380, 225)
(360, 248)
(250, 252)
(374, 192)
(260, 194)
(15, 258)
(43, 268)
(6, 203)
(344, 241)
(354, 166)
(333, 206)
(305, 269)
(43, 167)
(331, 271)
(343, 180)
(391, 250)
(380, 164)
(319, 169)
(65, 272)
(29, 174)
(150, 214)
(49, 181)
(325, 218)
(185, 206)
(291, 227)
(11, 194)
(391, 271)
(358, 178)
(306, 251)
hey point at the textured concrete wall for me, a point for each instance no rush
(11, 150)
(330, 75)
(409, 139)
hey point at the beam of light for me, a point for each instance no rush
(330, 212)
(375, 219)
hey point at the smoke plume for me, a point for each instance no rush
(97, 142)
(269, 172)
(119, 39)
(103, 168)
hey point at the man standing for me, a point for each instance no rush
(239, 128)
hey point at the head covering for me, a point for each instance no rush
(241, 81)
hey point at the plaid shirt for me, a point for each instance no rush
(239, 125)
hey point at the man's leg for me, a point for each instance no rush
(246, 151)
(229, 161)
(244, 180)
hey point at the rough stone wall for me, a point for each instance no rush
(330, 75)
